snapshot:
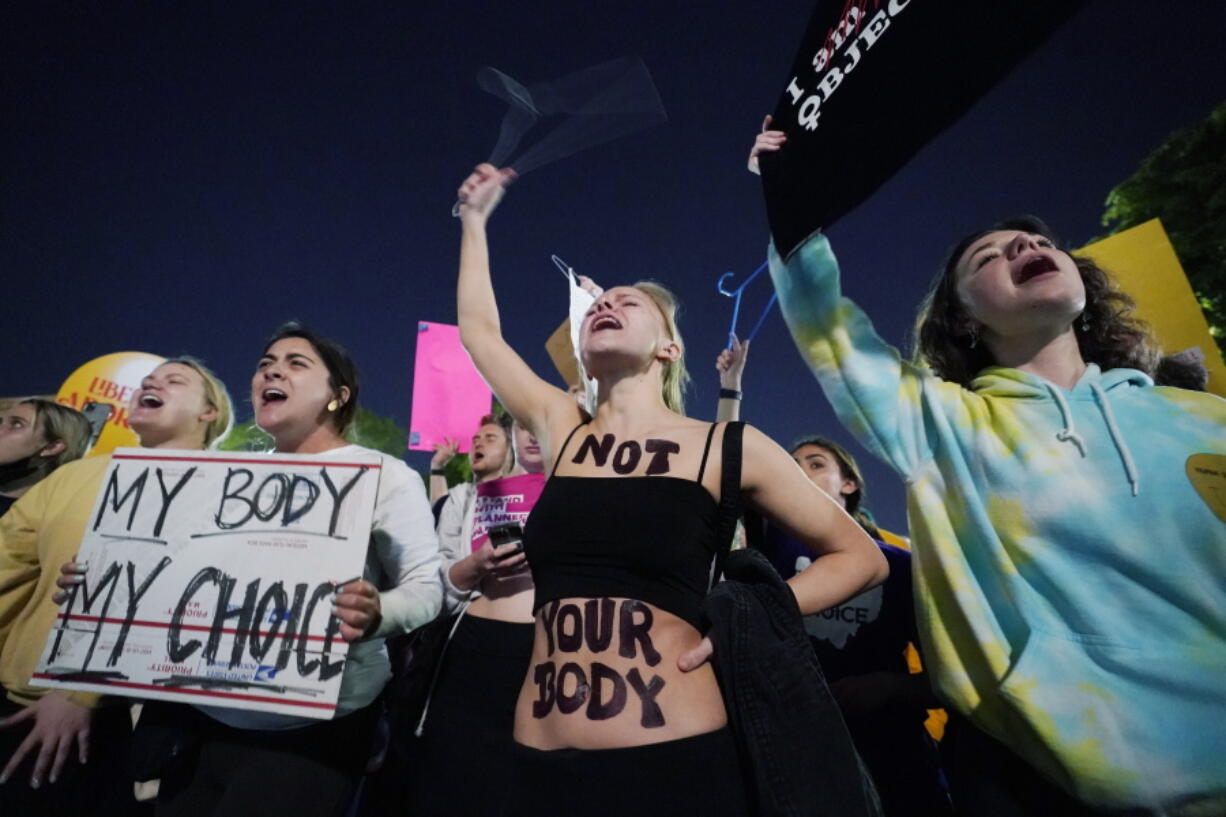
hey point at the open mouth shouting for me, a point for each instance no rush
(272, 395)
(150, 400)
(605, 322)
(1035, 266)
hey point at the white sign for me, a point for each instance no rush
(210, 580)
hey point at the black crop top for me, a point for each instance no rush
(657, 539)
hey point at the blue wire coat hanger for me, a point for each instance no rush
(736, 304)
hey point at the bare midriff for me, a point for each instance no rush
(604, 675)
(505, 598)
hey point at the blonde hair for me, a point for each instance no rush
(675, 378)
(215, 395)
(59, 423)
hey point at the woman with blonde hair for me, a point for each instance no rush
(179, 405)
(619, 712)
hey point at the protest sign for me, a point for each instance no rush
(210, 578)
(109, 380)
(503, 501)
(1144, 264)
(876, 80)
(449, 395)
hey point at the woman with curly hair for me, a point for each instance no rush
(1068, 544)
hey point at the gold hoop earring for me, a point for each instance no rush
(334, 405)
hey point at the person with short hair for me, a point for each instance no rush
(36, 437)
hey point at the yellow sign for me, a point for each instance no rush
(109, 379)
(1208, 475)
(1144, 264)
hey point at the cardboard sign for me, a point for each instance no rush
(876, 80)
(210, 580)
(449, 395)
(501, 501)
(1144, 264)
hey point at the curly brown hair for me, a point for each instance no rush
(1107, 332)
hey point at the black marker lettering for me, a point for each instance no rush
(220, 613)
(653, 716)
(329, 668)
(134, 597)
(117, 501)
(246, 616)
(570, 703)
(629, 632)
(600, 450)
(339, 496)
(306, 667)
(276, 594)
(236, 494)
(573, 640)
(280, 483)
(549, 613)
(291, 627)
(543, 676)
(168, 496)
(110, 580)
(180, 652)
(601, 711)
(598, 626)
(293, 514)
(660, 449)
(627, 457)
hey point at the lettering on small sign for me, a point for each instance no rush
(211, 574)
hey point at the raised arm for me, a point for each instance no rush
(527, 397)
(848, 562)
(731, 367)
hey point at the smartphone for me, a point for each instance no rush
(507, 534)
(96, 414)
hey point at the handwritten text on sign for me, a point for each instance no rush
(210, 580)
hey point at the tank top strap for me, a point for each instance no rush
(562, 450)
(730, 507)
(706, 452)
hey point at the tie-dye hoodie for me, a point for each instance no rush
(1070, 577)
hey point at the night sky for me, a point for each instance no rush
(181, 180)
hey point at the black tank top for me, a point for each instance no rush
(657, 539)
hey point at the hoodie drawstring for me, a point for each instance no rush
(1066, 434)
(1069, 434)
(1130, 467)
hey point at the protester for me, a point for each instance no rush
(1068, 551)
(36, 437)
(47, 737)
(468, 718)
(862, 643)
(629, 719)
(305, 393)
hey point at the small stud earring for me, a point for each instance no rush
(334, 405)
(1085, 322)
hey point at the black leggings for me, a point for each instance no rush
(696, 775)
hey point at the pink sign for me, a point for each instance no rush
(505, 500)
(449, 396)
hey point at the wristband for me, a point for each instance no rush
(729, 394)
(438, 472)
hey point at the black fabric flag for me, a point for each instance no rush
(873, 82)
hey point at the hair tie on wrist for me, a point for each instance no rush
(438, 472)
(729, 394)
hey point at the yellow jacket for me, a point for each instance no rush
(40, 532)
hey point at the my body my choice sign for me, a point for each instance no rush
(210, 580)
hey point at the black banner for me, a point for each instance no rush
(876, 80)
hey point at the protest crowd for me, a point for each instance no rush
(631, 611)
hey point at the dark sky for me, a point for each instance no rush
(181, 180)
